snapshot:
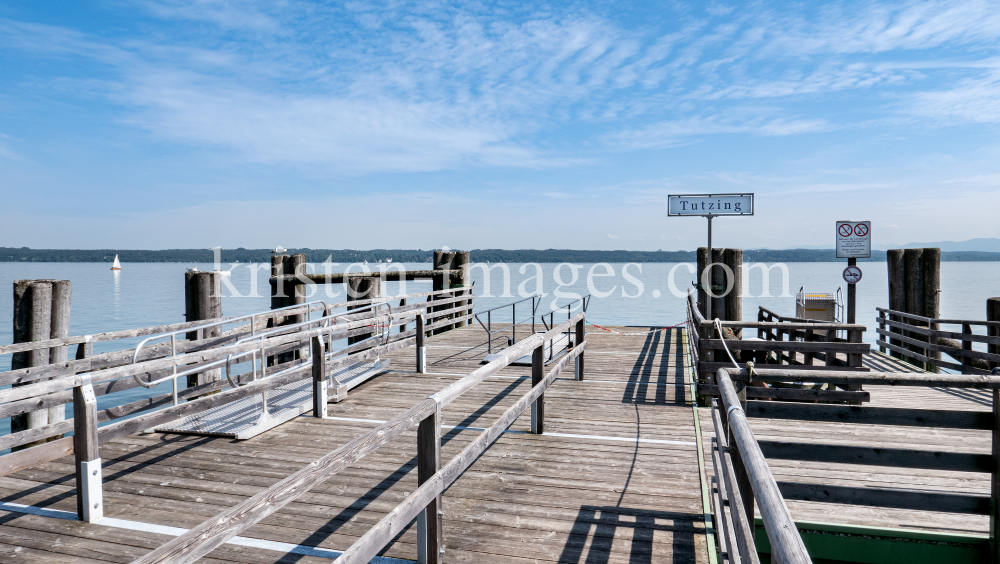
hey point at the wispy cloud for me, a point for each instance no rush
(421, 87)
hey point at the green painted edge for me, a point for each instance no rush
(706, 503)
(882, 545)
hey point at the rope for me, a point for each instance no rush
(718, 326)
(638, 333)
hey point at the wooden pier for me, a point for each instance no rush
(614, 478)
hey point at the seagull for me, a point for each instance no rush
(279, 249)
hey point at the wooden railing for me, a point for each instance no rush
(802, 345)
(113, 374)
(922, 340)
(738, 490)
(743, 476)
(432, 478)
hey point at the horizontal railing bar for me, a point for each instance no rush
(989, 339)
(953, 351)
(791, 394)
(888, 498)
(935, 320)
(877, 456)
(156, 329)
(876, 378)
(937, 362)
(869, 415)
(388, 275)
(791, 346)
(803, 371)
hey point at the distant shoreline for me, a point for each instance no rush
(12, 255)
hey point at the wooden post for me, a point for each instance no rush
(993, 314)
(719, 280)
(702, 265)
(995, 481)
(89, 498)
(367, 288)
(32, 322)
(430, 538)
(447, 262)
(897, 292)
(279, 290)
(203, 302)
(402, 326)
(914, 293)
(421, 349)
(852, 295)
(581, 335)
(966, 346)
(537, 375)
(734, 300)
(319, 377)
(62, 291)
(462, 264)
(931, 266)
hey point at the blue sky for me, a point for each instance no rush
(180, 123)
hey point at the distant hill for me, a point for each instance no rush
(24, 254)
(990, 245)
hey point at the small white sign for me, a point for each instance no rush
(710, 204)
(854, 239)
(852, 275)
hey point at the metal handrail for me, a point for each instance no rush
(536, 300)
(569, 311)
(173, 344)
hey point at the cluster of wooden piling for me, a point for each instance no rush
(728, 306)
(41, 312)
(915, 288)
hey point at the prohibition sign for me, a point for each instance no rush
(846, 230)
(852, 275)
(860, 230)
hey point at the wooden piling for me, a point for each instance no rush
(718, 281)
(449, 262)
(62, 291)
(931, 275)
(993, 314)
(897, 291)
(367, 288)
(702, 265)
(32, 322)
(733, 258)
(203, 302)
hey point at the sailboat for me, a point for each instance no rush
(116, 265)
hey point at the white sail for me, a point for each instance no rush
(116, 265)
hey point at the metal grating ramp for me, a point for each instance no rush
(348, 377)
(244, 419)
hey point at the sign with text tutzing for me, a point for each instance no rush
(854, 239)
(710, 204)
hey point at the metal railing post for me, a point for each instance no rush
(430, 538)
(421, 349)
(319, 377)
(580, 336)
(89, 485)
(537, 374)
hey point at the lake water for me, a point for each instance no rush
(151, 294)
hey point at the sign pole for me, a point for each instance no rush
(852, 293)
(708, 268)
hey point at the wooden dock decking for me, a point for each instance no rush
(905, 480)
(614, 478)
